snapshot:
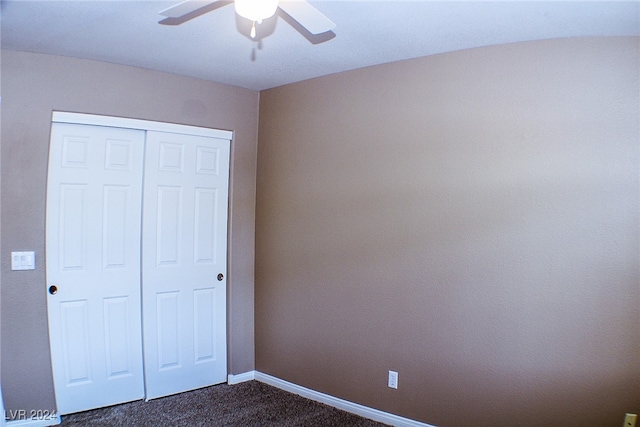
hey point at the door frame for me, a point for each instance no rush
(148, 125)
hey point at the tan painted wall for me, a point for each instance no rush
(32, 86)
(470, 220)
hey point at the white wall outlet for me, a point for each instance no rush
(393, 379)
(630, 420)
(23, 260)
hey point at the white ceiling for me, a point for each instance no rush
(367, 32)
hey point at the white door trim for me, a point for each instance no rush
(122, 122)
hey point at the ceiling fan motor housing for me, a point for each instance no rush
(256, 10)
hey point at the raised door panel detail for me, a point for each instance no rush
(75, 342)
(168, 312)
(204, 325)
(204, 236)
(116, 320)
(118, 155)
(169, 225)
(207, 160)
(72, 216)
(171, 157)
(75, 152)
(114, 226)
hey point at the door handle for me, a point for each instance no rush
(53, 289)
(220, 277)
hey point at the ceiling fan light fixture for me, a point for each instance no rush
(256, 10)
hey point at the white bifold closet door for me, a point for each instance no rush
(123, 257)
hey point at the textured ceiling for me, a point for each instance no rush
(212, 46)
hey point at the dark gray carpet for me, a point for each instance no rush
(251, 403)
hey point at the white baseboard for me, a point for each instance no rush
(240, 378)
(345, 405)
(34, 422)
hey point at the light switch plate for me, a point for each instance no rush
(23, 260)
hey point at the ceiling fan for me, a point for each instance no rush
(303, 14)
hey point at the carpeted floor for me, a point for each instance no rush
(251, 403)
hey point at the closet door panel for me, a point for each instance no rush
(93, 230)
(184, 262)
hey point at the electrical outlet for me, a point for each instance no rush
(393, 379)
(630, 420)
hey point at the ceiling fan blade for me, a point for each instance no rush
(185, 8)
(307, 16)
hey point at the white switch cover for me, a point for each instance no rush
(23, 260)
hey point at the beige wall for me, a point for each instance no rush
(33, 86)
(470, 220)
